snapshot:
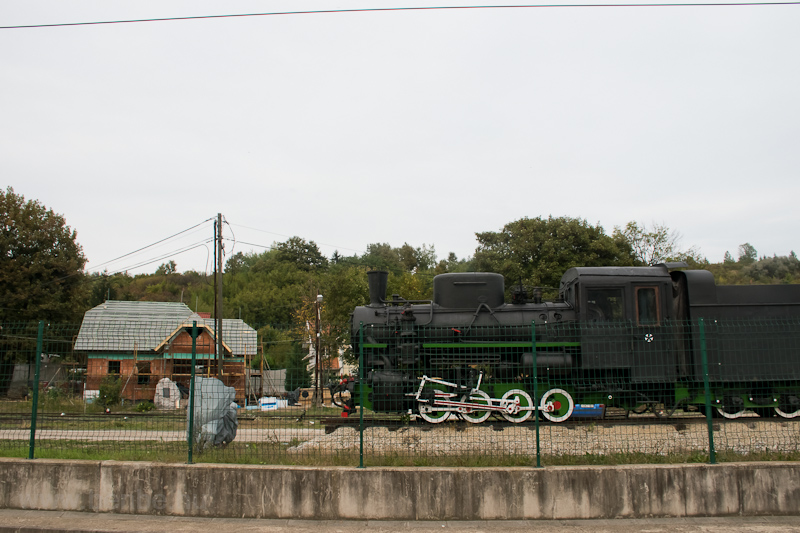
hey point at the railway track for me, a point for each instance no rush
(612, 418)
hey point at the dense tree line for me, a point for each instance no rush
(275, 290)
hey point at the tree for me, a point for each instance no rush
(297, 373)
(167, 268)
(538, 250)
(650, 247)
(772, 270)
(277, 346)
(343, 289)
(304, 254)
(381, 256)
(41, 263)
(659, 245)
(728, 259)
(747, 254)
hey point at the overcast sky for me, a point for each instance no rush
(400, 126)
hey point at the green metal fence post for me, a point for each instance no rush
(35, 407)
(536, 395)
(190, 436)
(361, 394)
(712, 456)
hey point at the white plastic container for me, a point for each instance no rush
(90, 396)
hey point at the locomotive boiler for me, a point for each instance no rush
(630, 337)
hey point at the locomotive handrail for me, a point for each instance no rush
(475, 315)
(399, 300)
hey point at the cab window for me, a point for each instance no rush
(604, 305)
(647, 305)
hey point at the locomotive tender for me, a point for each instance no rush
(629, 337)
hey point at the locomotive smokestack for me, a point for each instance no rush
(377, 280)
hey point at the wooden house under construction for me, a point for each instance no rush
(144, 342)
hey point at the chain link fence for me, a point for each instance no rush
(538, 395)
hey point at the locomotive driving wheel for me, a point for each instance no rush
(788, 406)
(562, 405)
(521, 413)
(726, 412)
(426, 405)
(431, 414)
(473, 414)
(732, 407)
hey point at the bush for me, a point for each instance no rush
(53, 394)
(145, 406)
(110, 391)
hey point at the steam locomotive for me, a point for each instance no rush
(661, 338)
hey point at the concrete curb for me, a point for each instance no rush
(275, 492)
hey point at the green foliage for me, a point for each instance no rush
(747, 254)
(41, 263)
(110, 391)
(539, 251)
(381, 256)
(53, 395)
(305, 255)
(278, 345)
(104, 287)
(167, 268)
(767, 270)
(144, 407)
(658, 245)
(297, 373)
(411, 286)
(649, 247)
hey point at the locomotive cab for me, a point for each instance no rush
(623, 311)
(641, 295)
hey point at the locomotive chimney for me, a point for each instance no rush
(377, 280)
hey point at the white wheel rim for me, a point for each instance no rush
(526, 414)
(785, 414)
(731, 416)
(550, 416)
(432, 419)
(469, 417)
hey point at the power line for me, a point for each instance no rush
(385, 9)
(290, 236)
(150, 245)
(165, 256)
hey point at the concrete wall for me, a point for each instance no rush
(401, 493)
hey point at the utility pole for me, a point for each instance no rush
(317, 372)
(218, 305)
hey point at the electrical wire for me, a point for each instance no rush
(165, 256)
(385, 9)
(151, 245)
(225, 220)
(290, 236)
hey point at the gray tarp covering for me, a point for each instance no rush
(214, 412)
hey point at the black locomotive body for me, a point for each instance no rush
(630, 337)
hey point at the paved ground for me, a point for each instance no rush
(17, 521)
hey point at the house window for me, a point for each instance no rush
(143, 371)
(114, 367)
